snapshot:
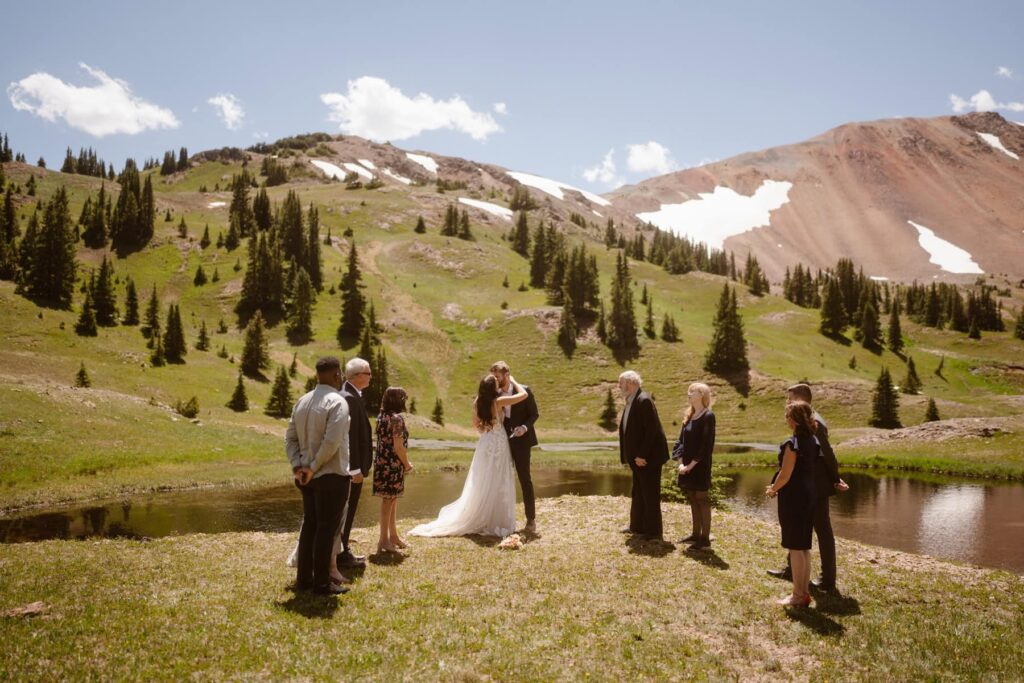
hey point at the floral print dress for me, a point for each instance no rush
(388, 472)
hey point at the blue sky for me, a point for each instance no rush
(701, 80)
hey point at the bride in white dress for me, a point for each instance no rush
(487, 505)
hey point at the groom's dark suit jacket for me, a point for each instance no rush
(360, 435)
(643, 436)
(522, 413)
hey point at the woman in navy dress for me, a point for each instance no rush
(794, 486)
(693, 452)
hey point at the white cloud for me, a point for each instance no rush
(374, 109)
(982, 101)
(1004, 72)
(604, 172)
(260, 134)
(107, 108)
(229, 109)
(650, 157)
(500, 108)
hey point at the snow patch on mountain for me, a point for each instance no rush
(996, 143)
(554, 188)
(945, 255)
(424, 161)
(400, 178)
(500, 211)
(716, 216)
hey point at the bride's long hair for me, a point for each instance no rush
(486, 394)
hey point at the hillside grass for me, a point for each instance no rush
(580, 601)
(440, 303)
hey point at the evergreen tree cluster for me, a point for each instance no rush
(10, 231)
(941, 305)
(47, 263)
(134, 214)
(754, 277)
(86, 163)
(172, 164)
(275, 172)
(456, 223)
(677, 254)
(521, 199)
(801, 288)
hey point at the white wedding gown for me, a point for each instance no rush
(487, 505)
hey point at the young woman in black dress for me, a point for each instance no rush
(390, 466)
(693, 452)
(794, 486)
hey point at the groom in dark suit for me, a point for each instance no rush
(360, 448)
(642, 446)
(518, 422)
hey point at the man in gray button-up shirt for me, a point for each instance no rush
(317, 448)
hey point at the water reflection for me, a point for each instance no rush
(966, 520)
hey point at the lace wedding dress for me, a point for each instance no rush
(487, 505)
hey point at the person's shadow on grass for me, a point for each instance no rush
(310, 606)
(649, 547)
(708, 558)
(379, 559)
(816, 620)
(834, 603)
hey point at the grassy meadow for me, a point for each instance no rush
(446, 317)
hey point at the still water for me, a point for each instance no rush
(970, 520)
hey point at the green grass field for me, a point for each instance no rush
(578, 602)
(440, 302)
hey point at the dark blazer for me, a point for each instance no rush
(826, 468)
(360, 436)
(643, 436)
(522, 413)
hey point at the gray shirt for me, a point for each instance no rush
(317, 435)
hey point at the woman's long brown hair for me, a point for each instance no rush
(485, 396)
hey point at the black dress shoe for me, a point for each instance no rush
(786, 574)
(347, 559)
(331, 589)
(827, 586)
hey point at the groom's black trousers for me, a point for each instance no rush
(645, 511)
(350, 513)
(521, 458)
(323, 499)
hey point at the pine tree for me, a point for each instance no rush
(314, 266)
(182, 228)
(293, 369)
(940, 366)
(82, 380)
(438, 414)
(669, 330)
(86, 325)
(649, 322)
(157, 358)
(200, 279)
(931, 414)
(911, 383)
(895, 337)
(727, 351)
(464, 231)
(216, 275)
(95, 233)
(869, 333)
(421, 226)
(255, 355)
(975, 331)
(885, 403)
(50, 255)
(204, 241)
(353, 303)
(610, 412)
(521, 236)
(602, 324)
(261, 210)
(539, 258)
(1018, 329)
(300, 313)
(280, 402)
(151, 325)
(567, 327)
(366, 346)
(622, 332)
(175, 347)
(131, 305)
(103, 296)
(203, 342)
(239, 401)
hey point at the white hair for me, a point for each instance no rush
(631, 377)
(355, 367)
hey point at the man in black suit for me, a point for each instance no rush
(360, 448)
(826, 483)
(642, 446)
(518, 422)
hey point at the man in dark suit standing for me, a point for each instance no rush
(360, 447)
(826, 483)
(642, 446)
(518, 422)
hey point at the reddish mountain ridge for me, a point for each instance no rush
(854, 190)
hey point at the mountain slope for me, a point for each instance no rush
(854, 189)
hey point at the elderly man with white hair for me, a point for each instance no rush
(360, 448)
(642, 446)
